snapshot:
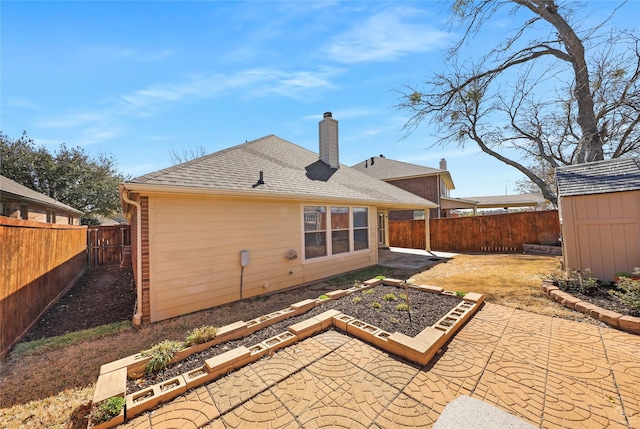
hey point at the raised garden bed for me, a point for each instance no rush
(415, 335)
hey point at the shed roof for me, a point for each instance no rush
(613, 175)
(288, 170)
(10, 188)
(389, 169)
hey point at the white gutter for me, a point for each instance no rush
(137, 318)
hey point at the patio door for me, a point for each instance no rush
(382, 230)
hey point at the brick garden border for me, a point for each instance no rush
(614, 319)
(419, 349)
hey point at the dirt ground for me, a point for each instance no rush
(102, 295)
(107, 294)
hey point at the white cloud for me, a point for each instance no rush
(386, 36)
(22, 102)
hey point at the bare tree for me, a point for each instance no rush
(540, 99)
(187, 154)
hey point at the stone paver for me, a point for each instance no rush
(549, 372)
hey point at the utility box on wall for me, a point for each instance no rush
(244, 258)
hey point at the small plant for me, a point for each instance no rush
(402, 307)
(380, 277)
(323, 297)
(574, 280)
(367, 292)
(356, 300)
(358, 284)
(403, 296)
(393, 320)
(389, 297)
(161, 354)
(376, 305)
(200, 335)
(460, 294)
(628, 293)
(107, 409)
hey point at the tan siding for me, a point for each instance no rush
(600, 232)
(195, 246)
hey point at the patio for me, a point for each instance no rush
(549, 372)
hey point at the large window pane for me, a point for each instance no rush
(315, 244)
(339, 218)
(360, 239)
(339, 241)
(360, 217)
(315, 218)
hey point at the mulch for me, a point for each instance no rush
(425, 310)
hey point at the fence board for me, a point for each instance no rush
(491, 233)
(106, 244)
(38, 262)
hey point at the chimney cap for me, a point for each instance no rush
(327, 115)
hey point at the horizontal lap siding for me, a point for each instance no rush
(195, 252)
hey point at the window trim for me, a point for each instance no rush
(329, 230)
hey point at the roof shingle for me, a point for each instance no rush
(613, 175)
(287, 169)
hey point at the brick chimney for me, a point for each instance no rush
(328, 136)
(443, 164)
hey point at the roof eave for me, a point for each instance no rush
(257, 194)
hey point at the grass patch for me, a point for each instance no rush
(27, 348)
(360, 275)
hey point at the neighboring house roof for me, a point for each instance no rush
(11, 189)
(495, 201)
(287, 170)
(613, 175)
(389, 169)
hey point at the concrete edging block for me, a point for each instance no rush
(630, 324)
(111, 384)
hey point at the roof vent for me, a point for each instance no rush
(260, 180)
(328, 137)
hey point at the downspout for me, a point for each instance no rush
(137, 318)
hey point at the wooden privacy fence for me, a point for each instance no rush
(38, 262)
(107, 244)
(491, 233)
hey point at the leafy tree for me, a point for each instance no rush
(70, 175)
(550, 94)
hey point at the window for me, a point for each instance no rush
(70, 219)
(418, 215)
(360, 228)
(49, 216)
(339, 230)
(24, 212)
(315, 231)
(345, 230)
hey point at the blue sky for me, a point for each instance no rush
(139, 79)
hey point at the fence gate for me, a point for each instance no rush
(106, 244)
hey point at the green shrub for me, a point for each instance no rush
(356, 300)
(107, 409)
(161, 354)
(367, 292)
(323, 297)
(460, 294)
(389, 297)
(402, 307)
(200, 335)
(573, 280)
(380, 277)
(376, 305)
(629, 292)
(403, 296)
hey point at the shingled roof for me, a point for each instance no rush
(387, 169)
(614, 175)
(10, 188)
(287, 170)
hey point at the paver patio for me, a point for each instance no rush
(552, 373)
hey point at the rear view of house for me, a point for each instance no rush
(252, 219)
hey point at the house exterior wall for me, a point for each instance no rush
(601, 232)
(192, 256)
(38, 213)
(426, 187)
